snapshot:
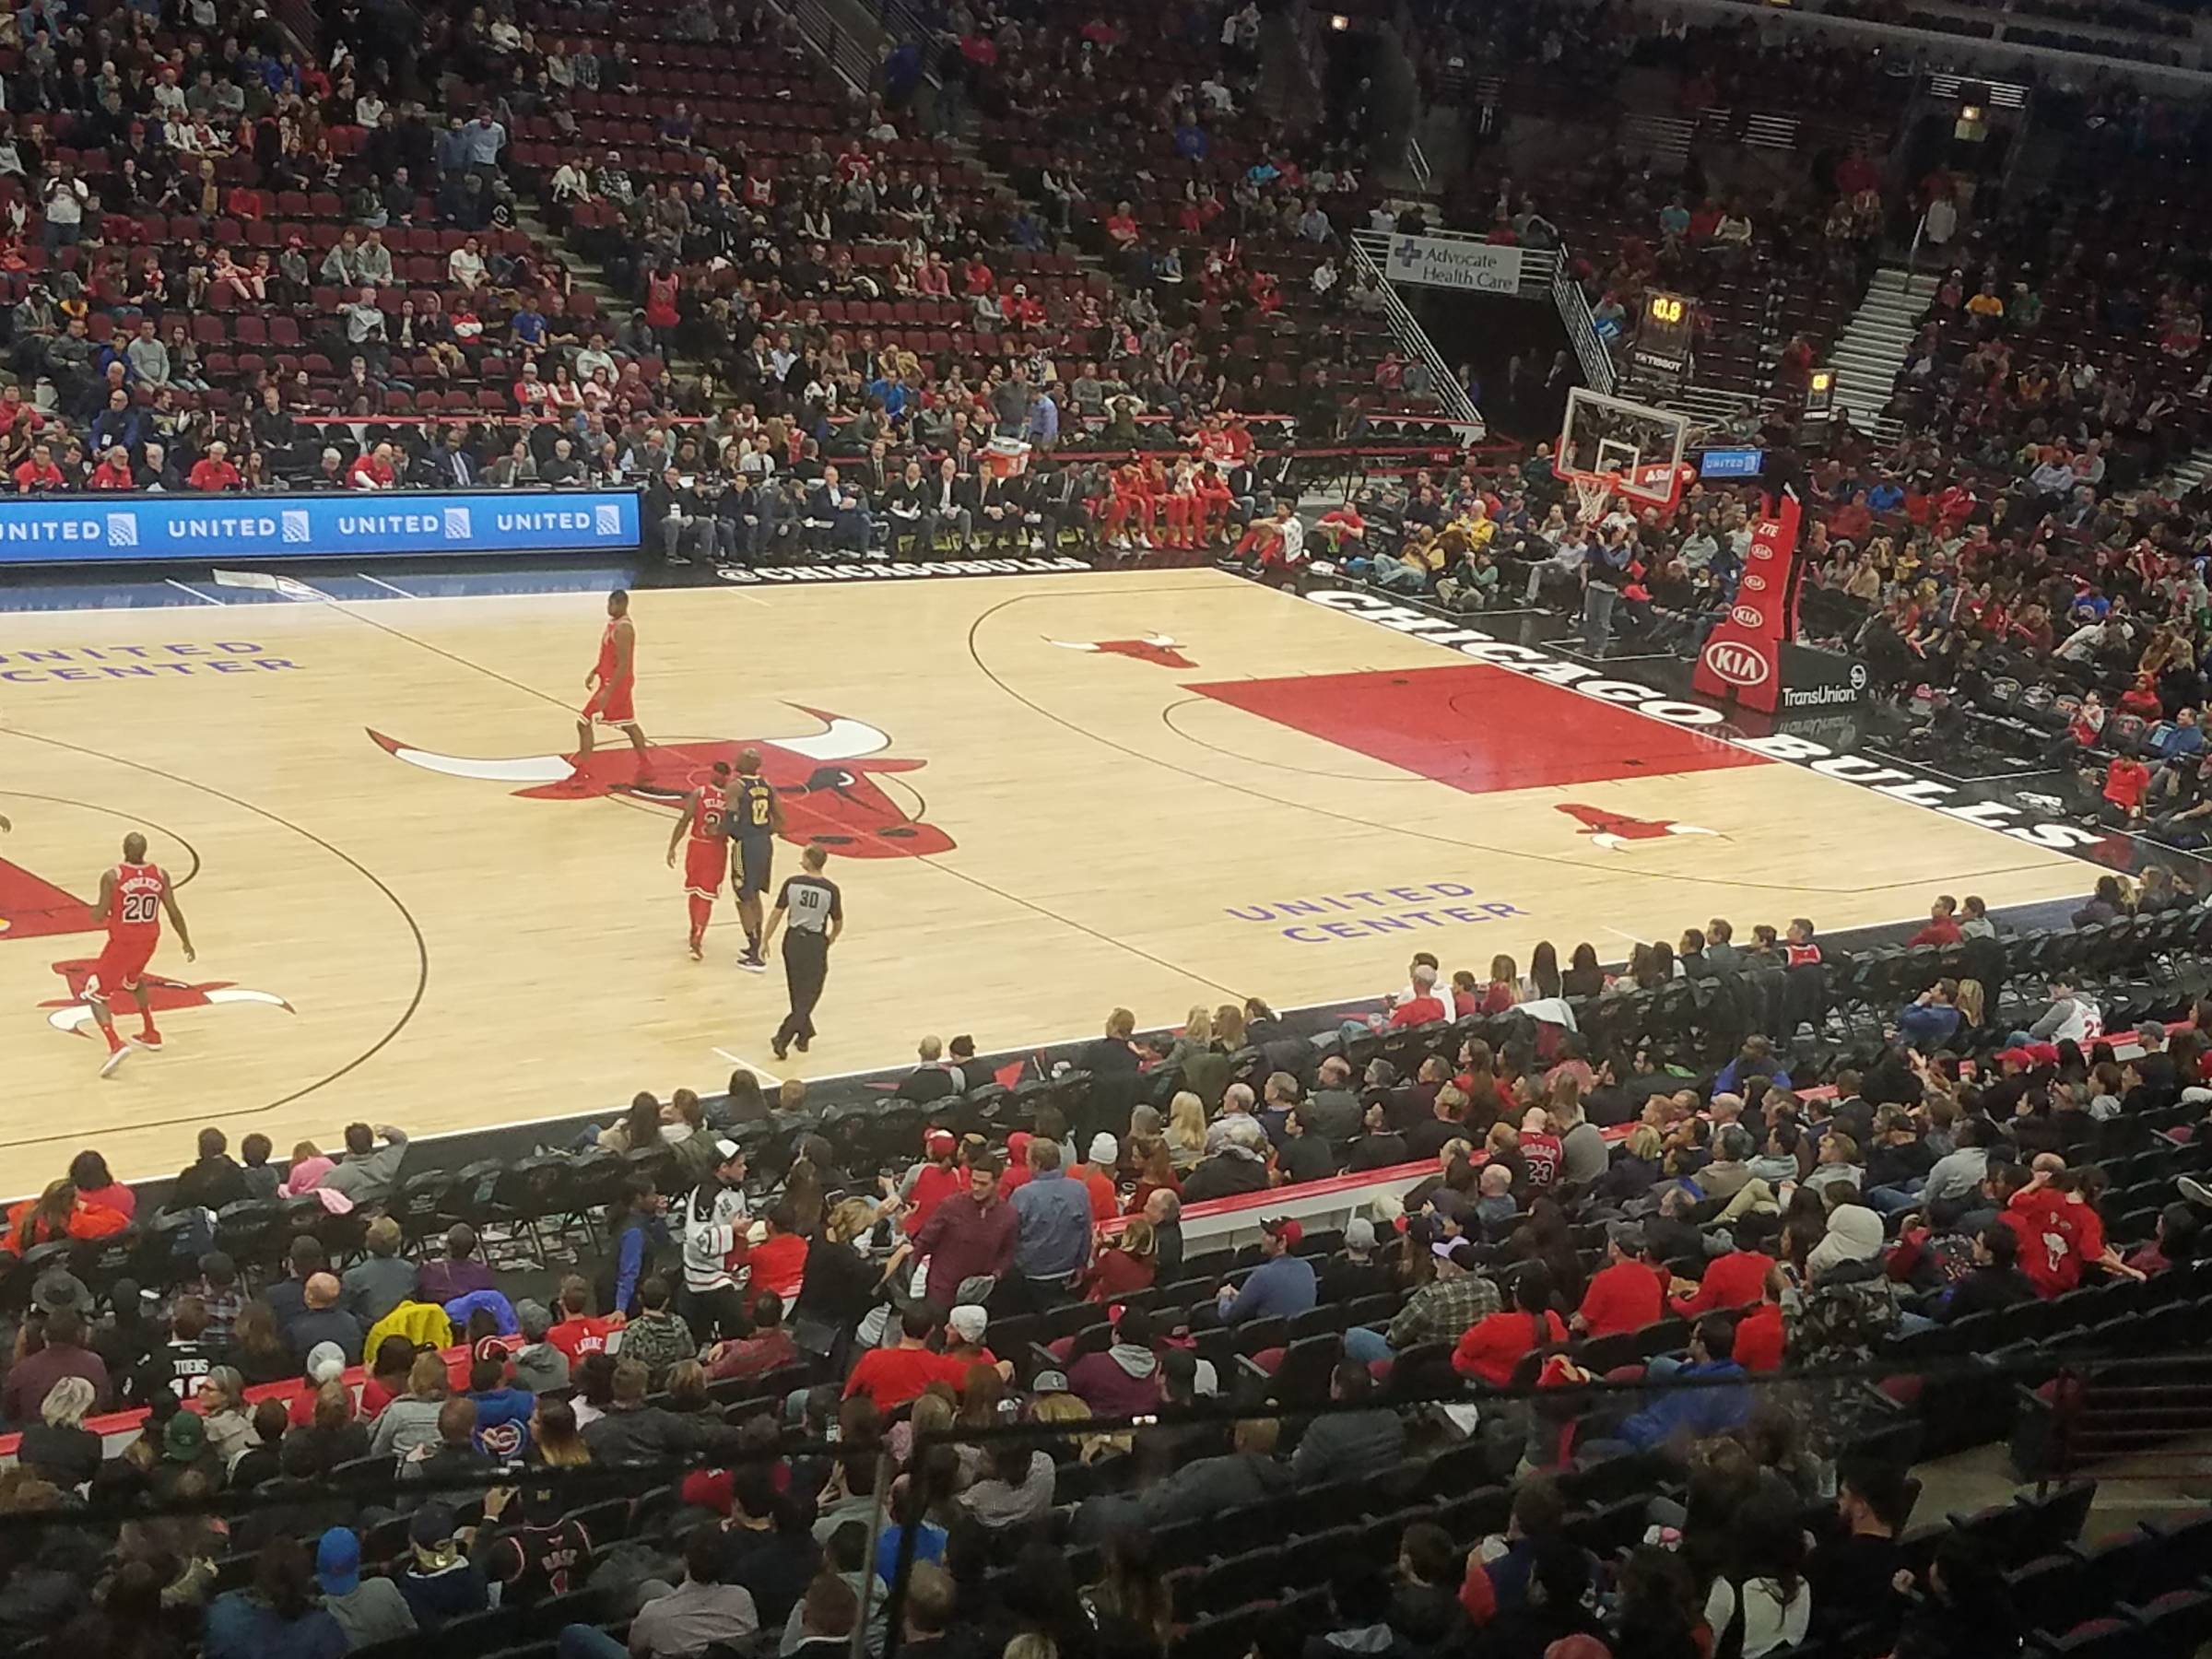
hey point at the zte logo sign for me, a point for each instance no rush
(1738, 665)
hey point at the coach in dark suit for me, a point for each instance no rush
(1000, 503)
(837, 515)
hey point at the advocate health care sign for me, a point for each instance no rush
(1454, 263)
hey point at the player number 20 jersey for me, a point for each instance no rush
(135, 908)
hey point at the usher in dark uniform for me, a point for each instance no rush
(811, 909)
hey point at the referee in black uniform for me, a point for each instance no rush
(810, 901)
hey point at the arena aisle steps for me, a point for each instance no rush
(1872, 349)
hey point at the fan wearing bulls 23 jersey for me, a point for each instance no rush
(132, 897)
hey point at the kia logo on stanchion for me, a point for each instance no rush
(1754, 582)
(1749, 615)
(1738, 665)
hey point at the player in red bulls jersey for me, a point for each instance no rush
(753, 818)
(132, 898)
(1130, 500)
(705, 857)
(613, 680)
(1215, 499)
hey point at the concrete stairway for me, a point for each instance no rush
(1664, 138)
(1871, 351)
(2187, 474)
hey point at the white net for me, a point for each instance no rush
(1592, 491)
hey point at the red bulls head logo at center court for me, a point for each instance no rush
(826, 783)
(1152, 648)
(1614, 830)
(164, 996)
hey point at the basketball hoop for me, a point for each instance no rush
(1592, 491)
(1619, 455)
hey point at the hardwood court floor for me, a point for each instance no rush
(1285, 801)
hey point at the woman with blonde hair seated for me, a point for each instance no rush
(1196, 1037)
(1186, 1132)
(1059, 1409)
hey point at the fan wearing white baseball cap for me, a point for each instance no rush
(1097, 1174)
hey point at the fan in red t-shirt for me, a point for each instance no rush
(1735, 1280)
(2059, 1234)
(579, 1331)
(1424, 1007)
(1943, 925)
(892, 1376)
(1625, 1294)
(1017, 1162)
(930, 1182)
(778, 1262)
(214, 470)
(1492, 1348)
(38, 471)
(1759, 1338)
(2126, 781)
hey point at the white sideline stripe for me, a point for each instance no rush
(182, 588)
(388, 586)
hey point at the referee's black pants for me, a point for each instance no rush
(805, 967)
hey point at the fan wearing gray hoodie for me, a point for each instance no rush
(1124, 1380)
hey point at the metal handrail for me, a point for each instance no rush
(853, 61)
(1575, 317)
(909, 27)
(1451, 395)
(1417, 163)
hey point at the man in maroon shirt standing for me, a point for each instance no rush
(970, 1236)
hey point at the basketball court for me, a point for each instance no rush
(1047, 795)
